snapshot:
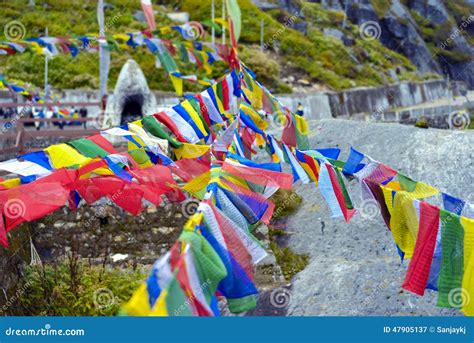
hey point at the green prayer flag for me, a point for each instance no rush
(452, 258)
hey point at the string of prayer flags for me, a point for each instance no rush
(213, 136)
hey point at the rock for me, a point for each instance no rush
(70, 225)
(180, 17)
(118, 239)
(348, 41)
(304, 82)
(265, 5)
(59, 224)
(393, 74)
(166, 230)
(432, 10)
(333, 33)
(119, 257)
(151, 209)
(363, 276)
(262, 229)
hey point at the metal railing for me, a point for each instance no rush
(22, 134)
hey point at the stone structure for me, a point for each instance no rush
(132, 99)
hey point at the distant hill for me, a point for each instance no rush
(307, 43)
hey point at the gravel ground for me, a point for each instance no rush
(354, 268)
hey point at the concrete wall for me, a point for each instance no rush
(353, 103)
(316, 105)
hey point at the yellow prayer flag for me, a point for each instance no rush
(138, 305)
(11, 183)
(194, 116)
(404, 222)
(188, 150)
(198, 185)
(63, 155)
(468, 278)
(177, 84)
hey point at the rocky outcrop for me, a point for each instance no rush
(400, 32)
(461, 65)
(354, 268)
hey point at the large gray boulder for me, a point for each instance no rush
(355, 268)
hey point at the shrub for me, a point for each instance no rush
(75, 288)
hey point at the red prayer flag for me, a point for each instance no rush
(348, 213)
(420, 264)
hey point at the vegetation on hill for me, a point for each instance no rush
(314, 56)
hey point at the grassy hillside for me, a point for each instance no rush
(315, 57)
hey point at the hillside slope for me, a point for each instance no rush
(315, 56)
(436, 35)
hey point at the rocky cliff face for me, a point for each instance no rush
(434, 34)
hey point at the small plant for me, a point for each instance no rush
(286, 202)
(422, 123)
(290, 262)
(73, 287)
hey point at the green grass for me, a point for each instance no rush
(75, 288)
(290, 262)
(317, 57)
(381, 7)
(286, 202)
